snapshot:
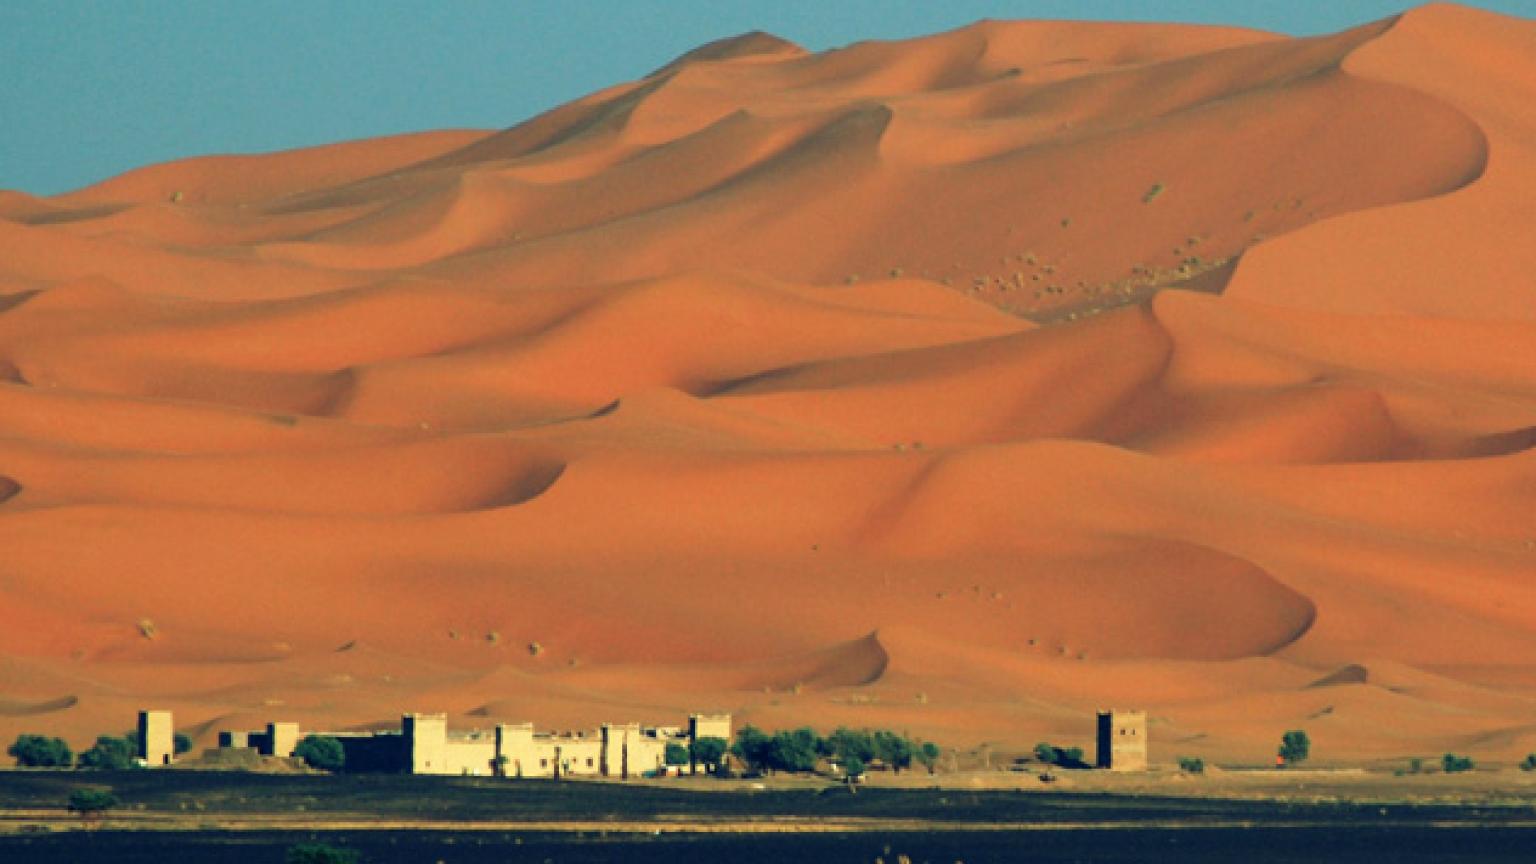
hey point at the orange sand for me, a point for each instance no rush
(960, 385)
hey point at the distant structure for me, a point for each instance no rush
(157, 738)
(1122, 741)
(425, 745)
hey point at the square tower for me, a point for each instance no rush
(157, 738)
(709, 726)
(426, 743)
(282, 738)
(1122, 741)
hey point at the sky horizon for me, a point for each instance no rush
(98, 89)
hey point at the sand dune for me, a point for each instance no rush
(962, 385)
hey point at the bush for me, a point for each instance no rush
(1065, 757)
(1453, 764)
(37, 751)
(108, 754)
(1191, 765)
(708, 751)
(89, 802)
(1295, 746)
(675, 754)
(1530, 762)
(928, 754)
(319, 853)
(853, 767)
(321, 752)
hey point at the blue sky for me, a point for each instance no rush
(91, 89)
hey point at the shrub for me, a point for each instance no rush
(1415, 765)
(675, 754)
(853, 767)
(1191, 765)
(89, 802)
(1045, 753)
(1295, 746)
(1453, 764)
(108, 754)
(1152, 193)
(321, 752)
(1530, 762)
(1066, 757)
(37, 751)
(708, 751)
(319, 853)
(928, 754)
(895, 750)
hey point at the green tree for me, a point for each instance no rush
(321, 752)
(1191, 765)
(108, 754)
(848, 743)
(894, 750)
(794, 750)
(1529, 763)
(320, 853)
(675, 754)
(91, 803)
(1046, 753)
(928, 754)
(752, 746)
(708, 752)
(1295, 747)
(853, 768)
(38, 751)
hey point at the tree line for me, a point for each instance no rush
(798, 750)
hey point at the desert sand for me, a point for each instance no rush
(961, 385)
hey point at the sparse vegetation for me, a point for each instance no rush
(1295, 747)
(38, 751)
(1191, 765)
(1453, 764)
(928, 754)
(320, 853)
(1152, 193)
(1529, 763)
(91, 803)
(321, 752)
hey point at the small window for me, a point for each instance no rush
(543, 763)
(589, 761)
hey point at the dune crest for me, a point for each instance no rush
(1075, 364)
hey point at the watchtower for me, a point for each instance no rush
(157, 738)
(1122, 741)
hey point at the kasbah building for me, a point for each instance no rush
(425, 745)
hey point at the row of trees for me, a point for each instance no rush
(112, 753)
(800, 749)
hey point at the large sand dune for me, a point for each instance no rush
(961, 385)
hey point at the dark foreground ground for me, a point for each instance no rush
(1360, 843)
(186, 817)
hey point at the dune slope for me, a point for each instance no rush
(961, 385)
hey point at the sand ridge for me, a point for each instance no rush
(962, 385)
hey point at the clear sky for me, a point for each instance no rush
(91, 88)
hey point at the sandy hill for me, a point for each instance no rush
(960, 385)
